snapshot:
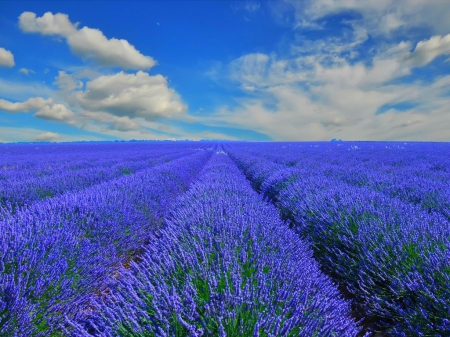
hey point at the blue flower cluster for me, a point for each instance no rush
(389, 251)
(224, 264)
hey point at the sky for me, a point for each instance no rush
(281, 70)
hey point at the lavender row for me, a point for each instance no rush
(429, 161)
(57, 252)
(18, 193)
(430, 195)
(23, 162)
(391, 256)
(224, 265)
(425, 160)
(420, 176)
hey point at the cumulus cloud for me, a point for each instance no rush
(87, 42)
(26, 71)
(45, 109)
(6, 58)
(33, 103)
(56, 112)
(132, 95)
(48, 24)
(127, 103)
(47, 136)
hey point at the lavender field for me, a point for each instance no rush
(225, 239)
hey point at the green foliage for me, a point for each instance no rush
(125, 171)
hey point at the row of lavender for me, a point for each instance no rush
(390, 255)
(56, 252)
(25, 161)
(418, 173)
(224, 264)
(73, 167)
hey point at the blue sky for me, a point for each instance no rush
(240, 70)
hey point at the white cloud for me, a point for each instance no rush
(248, 87)
(66, 82)
(48, 24)
(6, 58)
(86, 73)
(347, 113)
(337, 98)
(427, 50)
(109, 104)
(380, 17)
(26, 71)
(87, 42)
(323, 89)
(261, 70)
(132, 95)
(21, 134)
(47, 136)
(113, 122)
(249, 68)
(33, 103)
(45, 109)
(91, 43)
(57, 112)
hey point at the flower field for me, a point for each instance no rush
(225, 239)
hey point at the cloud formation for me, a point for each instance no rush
(6, 58)
(262, 70)
(87, 42)
(118, 102)
(113, 122)
(314, 96)
(45, 109)
(427, 50)
(26, 71)
(349, 83)
(379, 17)
(338, 83)
(66, 82)
(132, 95)
(47, 136)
